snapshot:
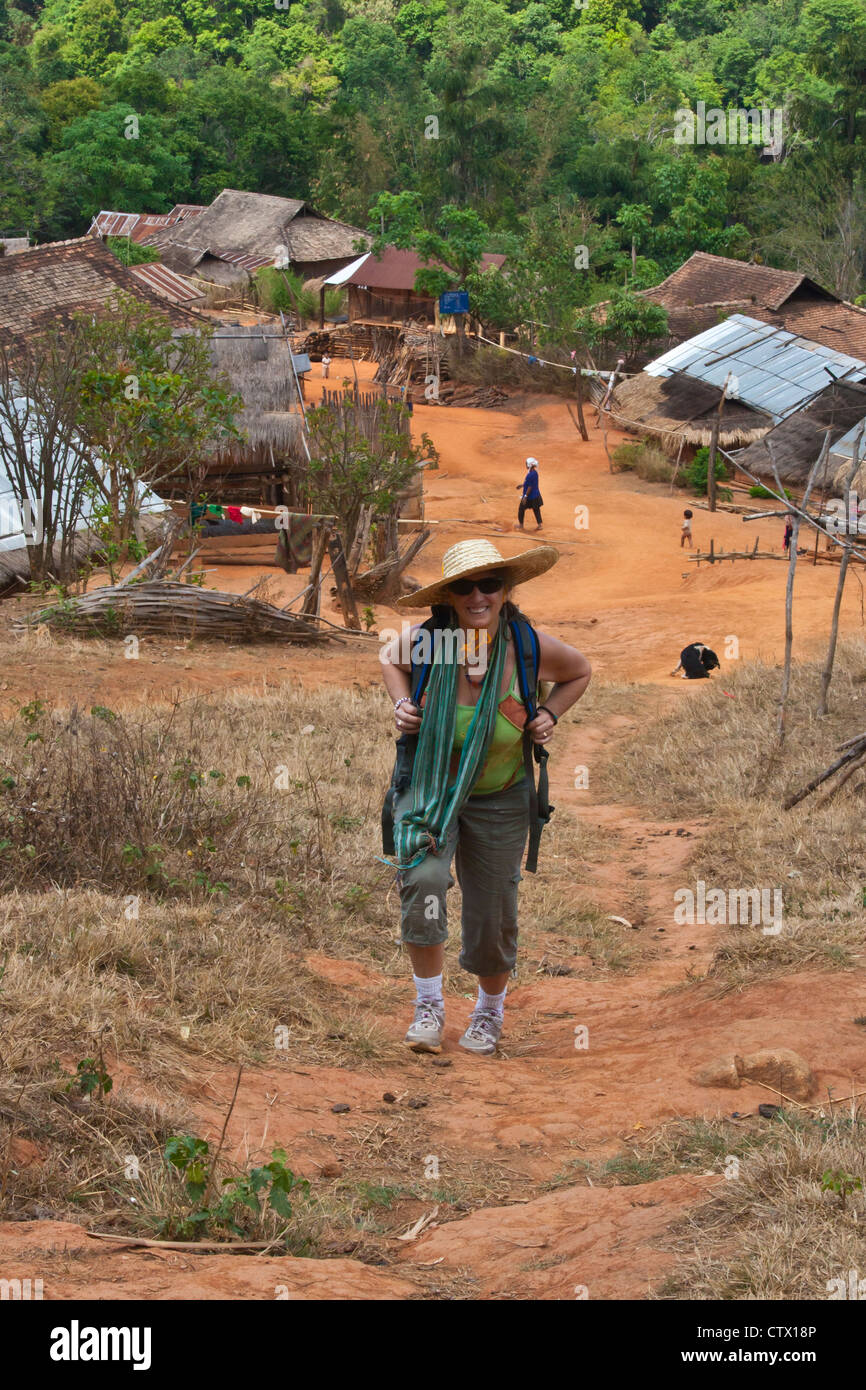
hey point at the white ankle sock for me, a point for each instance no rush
(428, 991)
(492, 1003)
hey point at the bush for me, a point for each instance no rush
(696, 473)
(646, 460)
(283, 290)
(129, 252)
(759, 491)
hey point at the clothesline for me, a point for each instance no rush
(531, 357)
(219, 510)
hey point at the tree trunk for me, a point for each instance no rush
(578, 387)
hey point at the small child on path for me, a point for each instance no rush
(326, 365)
(687, 530)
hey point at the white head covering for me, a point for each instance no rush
(532, 463)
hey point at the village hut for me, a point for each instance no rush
(382, 288)
(706, 289)
(141, 226)
(796, 442)
(61, 278)
(679, 411)
(242, 232)
(767, 373)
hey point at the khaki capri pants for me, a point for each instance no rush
(486, 844)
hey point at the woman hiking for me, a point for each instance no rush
(469, 795)
(531, 500)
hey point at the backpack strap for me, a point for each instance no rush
(527, 656)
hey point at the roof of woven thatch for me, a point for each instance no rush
(680, 409)
(255, 225)
(257, 364)
(797, 441)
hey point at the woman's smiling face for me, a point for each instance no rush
(478, 610)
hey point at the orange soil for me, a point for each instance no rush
(543, 1103)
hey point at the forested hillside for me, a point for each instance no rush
(553, 121)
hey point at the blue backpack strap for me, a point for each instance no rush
(527, 657)
(419, 672)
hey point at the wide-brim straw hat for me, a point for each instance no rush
(469, 558)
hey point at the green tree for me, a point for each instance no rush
(348, 470)
(98, 166)
(150, 407)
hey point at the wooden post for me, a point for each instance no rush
(344, 587)
(789, 588)
(312, 602)
(714, 445)
(827, 673)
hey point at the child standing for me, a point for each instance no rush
(326, 365)
(687, 529)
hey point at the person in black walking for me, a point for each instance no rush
(531, 499)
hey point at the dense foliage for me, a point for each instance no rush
(552, 121)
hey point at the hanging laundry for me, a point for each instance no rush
(215, 510)
(234, 514)
(253, 515)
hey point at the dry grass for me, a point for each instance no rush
(166, 871)
(772, 1232)
(647, 460)
(712, 757)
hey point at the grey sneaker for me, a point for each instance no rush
(483, 1032)
(425, 1034)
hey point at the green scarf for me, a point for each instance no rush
(437, 804)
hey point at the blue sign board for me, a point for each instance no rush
(454, 302)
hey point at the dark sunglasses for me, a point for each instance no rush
(488, 584)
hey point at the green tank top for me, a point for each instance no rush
(504, 763)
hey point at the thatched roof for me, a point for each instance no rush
(679, 409)
(256, 360)
(797, 441)
(248, 229)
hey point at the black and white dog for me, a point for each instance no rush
(696, 662)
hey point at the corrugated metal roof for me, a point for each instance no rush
(166, 282)
(246, 262)
(773, 370)
(844, 447)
